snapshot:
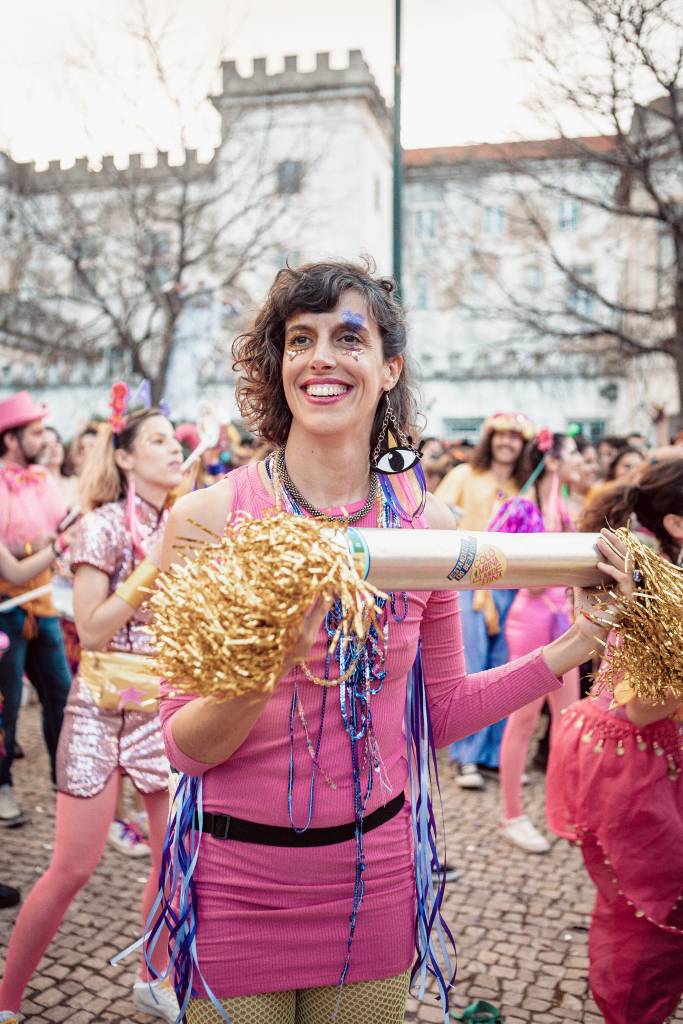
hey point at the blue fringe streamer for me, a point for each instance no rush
(433, 937)
(176, 885)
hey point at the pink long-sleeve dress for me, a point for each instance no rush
(275, 918)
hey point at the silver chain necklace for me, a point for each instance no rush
(294, 492)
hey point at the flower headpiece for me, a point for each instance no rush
(545, 440)
(515, 421)
(118, 403)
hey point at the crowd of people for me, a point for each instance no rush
(325, 381)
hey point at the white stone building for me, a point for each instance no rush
(318, 143)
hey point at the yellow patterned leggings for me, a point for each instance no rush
(365, 1002)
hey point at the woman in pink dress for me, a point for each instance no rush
(304, 899)
(126, 485)
(615, 787)
(537, 617)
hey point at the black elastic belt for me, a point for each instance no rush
(222, 826)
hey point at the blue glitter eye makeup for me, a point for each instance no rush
(352, 319)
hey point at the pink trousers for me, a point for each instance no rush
(535, 619)
(81, 832)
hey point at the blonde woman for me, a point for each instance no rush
(125, 485)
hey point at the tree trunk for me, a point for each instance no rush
(167, 344)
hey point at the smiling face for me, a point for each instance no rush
(570, 465)
(156, 456)
(506, 447)
(333, 369)
(628, 462)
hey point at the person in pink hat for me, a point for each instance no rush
(31, 509)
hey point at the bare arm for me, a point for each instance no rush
(582, 639)
(98, 614)
(21, 570)
(641, 714)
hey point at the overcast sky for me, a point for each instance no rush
(463, 81)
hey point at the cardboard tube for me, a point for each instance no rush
(451, 560)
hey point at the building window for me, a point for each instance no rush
(156, 252)
(665, 263)
(568, 215)
(462, 429)
(289, 258)
(592, 429)
(533, 277)
(425, 223)
(421, 291)
(84, 252)
(290, 176)
(494, 220)
(477, 280)
(580, 300)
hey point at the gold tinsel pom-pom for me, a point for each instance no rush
(225, 621)
(648, 653)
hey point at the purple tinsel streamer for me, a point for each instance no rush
(517, 515)
(395, 502)
(433, 937)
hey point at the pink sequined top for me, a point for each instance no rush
(102, 539)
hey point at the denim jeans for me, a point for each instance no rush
(43, 660)
(482, 652)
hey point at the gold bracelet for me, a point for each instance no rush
(135, 589)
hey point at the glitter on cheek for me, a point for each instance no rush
(292, 353)
(352, 319)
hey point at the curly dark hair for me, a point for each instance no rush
(657, 492)
(315, 287)
(482, 457)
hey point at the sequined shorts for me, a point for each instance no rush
(94, 743)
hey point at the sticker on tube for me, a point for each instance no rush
(359, 551)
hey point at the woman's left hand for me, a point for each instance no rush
(617, 564)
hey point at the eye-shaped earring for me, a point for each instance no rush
(400, 455)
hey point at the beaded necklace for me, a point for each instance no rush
(361, 673)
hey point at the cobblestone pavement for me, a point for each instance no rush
(520, 921)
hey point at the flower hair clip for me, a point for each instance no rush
(544, 440)
(118, 403)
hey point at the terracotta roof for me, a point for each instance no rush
(499, 152)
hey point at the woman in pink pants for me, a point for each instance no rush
(537, 617)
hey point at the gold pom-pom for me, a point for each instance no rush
(648, 654)
(225, 621)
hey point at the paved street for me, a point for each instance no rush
(520, 921)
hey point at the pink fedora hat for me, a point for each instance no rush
(18, 410)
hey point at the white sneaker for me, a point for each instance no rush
(10, 812)
(10, 1017)
(469, 777)
(127, 839)
(156, 998)
(141, 822)
(522, 833)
